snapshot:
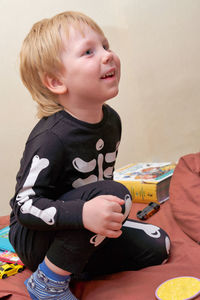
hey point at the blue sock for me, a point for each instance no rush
(44, 284)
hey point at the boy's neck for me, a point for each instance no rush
(90, 115)
(87, 110)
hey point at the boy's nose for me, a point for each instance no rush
(107, 57)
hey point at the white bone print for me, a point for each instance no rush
(23, 197)
(151, 230)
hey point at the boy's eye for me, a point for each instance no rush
(106, 45)
(88, 52)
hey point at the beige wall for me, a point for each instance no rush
(159, 45)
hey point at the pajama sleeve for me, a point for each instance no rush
(36, 203)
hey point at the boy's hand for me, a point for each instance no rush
(103, 215)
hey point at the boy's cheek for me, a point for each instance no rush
(119, 71)
(118, 63)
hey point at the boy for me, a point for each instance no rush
(67, 213)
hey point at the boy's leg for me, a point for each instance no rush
(46, 284)
(71, 249)
(32, 247)
(140, 245)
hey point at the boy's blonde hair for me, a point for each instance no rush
(40, 55)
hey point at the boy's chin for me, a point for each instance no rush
(112, 93)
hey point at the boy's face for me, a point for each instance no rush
(91, 69)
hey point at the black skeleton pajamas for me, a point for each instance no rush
(65, 163)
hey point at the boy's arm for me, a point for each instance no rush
(35, 204)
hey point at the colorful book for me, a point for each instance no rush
(10, 257)
(4, 240)
(2, 263)
(147, 182)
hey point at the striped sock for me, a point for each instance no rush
(44, 284)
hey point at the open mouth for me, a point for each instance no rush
(110, 74)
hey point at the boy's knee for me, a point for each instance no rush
(162, 248)
(167, 246)
(111, 187)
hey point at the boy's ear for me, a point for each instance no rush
(54, 84)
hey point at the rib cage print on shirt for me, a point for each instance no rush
(86, 167)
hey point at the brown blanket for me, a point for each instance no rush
(185, 195)
(136, 285)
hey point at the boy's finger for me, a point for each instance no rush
(114, 199)
(113, 233)
(117, 217)
(115, 226)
